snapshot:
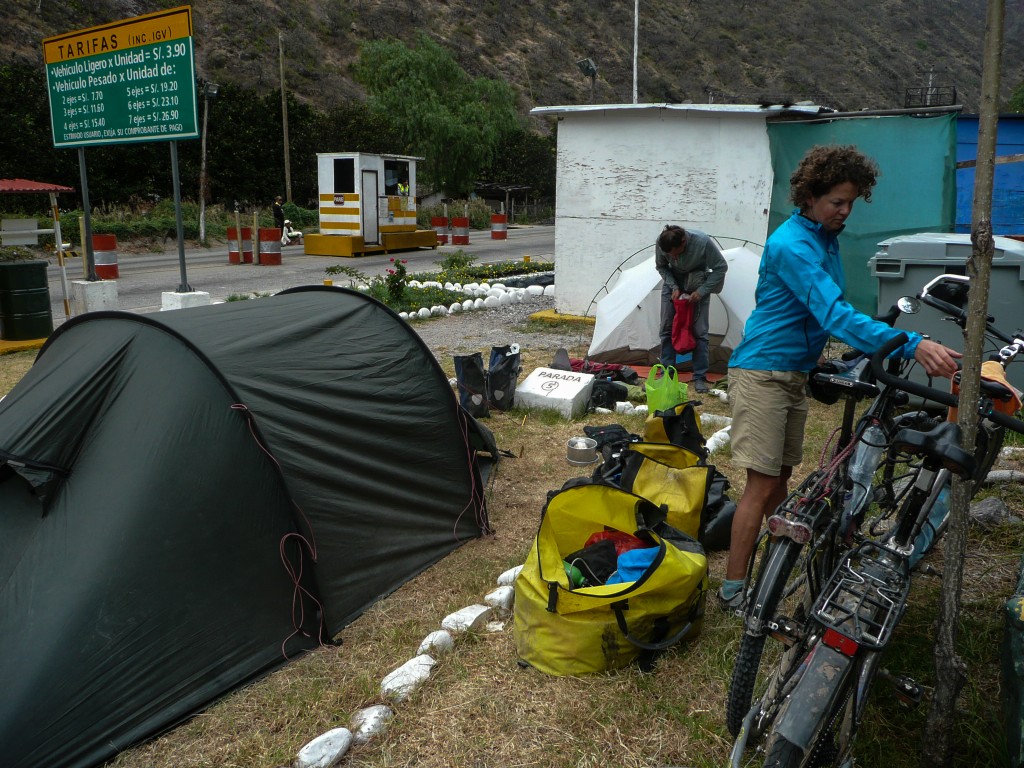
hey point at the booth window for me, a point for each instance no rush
(394, 172)
(344, 175)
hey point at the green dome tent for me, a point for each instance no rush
(188, 499)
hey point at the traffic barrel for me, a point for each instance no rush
(270, 246)
(238, 255)
(499, 226)
(460, 230)
(104, 253)
(440, 226)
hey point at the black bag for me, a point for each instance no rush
(606, 393)
(502, 376)
(472, 383)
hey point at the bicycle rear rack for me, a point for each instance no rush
(866, 595)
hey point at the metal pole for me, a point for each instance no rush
(60, 253)
(202, 170)
(90, 261)
(636, 42)
(284, 120)
(184, 287)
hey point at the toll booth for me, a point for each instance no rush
(367, 205)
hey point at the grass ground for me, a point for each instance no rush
(481, 709)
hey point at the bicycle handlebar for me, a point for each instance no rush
(929, 393)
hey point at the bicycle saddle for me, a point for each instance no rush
(941, 444)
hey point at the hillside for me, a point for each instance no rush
(850, 56)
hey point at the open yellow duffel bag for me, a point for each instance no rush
(565, 630)
(672, 477)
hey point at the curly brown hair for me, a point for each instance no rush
(823, 167)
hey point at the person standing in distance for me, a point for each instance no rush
(799, 303)
(692, 268)
(278, 214)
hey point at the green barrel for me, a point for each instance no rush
(24, 301)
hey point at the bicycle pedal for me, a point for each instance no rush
(928, 570)
(785, 630)
(908, 692)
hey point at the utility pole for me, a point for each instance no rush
(284, 120)
(636, 41)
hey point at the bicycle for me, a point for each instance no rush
(787, 579)
(810, 713)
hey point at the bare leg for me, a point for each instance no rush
(761, 496)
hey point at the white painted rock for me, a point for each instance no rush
(325, 750)
(455, 308)
(438, 311)
(467, 305)
(624, 406)
(469, 619)
(367, 723)
(640, 410)
(499, 286)
(478, 303)
(509, 577)
(495, 293)
(549, 290)
(495, 626)
(718, 440)
(423, 313)
(491, 302)
(470, 287)
(501, 599)
(438, 643)
(449, 286)
(415, 284)
(404, 315)
(401, 683)
(535, 290)
(505, 299)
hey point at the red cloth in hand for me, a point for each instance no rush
(683, 339)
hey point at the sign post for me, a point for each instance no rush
(124, 82)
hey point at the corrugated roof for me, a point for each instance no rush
(774, 109)
(10, 186)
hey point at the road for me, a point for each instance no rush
(143, 277)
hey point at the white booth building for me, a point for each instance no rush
(627, 170)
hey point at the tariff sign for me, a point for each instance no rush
(128, 81)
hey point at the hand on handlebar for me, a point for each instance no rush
(938, 360)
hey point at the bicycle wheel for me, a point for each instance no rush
(780, 591)
(830, 746)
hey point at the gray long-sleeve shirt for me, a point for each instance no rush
(699, 268)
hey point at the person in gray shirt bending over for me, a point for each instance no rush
(692, 268)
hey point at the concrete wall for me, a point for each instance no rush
(624, 173)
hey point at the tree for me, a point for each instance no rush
(453, 121)
(1016, 102)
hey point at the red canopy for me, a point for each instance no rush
(9, 186)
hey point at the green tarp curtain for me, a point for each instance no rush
(916, 191)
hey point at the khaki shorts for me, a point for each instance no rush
(769, 412)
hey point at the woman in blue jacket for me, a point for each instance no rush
(799, 304)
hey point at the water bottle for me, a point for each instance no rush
(865, 460)
(924, 539)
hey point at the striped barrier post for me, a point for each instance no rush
(440, 225)
(270, 246)
(238, 255)
(460, 230)
(104, 252)
(499, 226)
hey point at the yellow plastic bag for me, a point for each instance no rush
(563, 630)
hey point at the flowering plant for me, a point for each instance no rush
(395, 280)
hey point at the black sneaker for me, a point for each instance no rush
(701, 385)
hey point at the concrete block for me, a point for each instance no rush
(567, 392)
(93, 295)
(174, 300)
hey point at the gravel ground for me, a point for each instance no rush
(478, 331)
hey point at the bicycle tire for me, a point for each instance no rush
(784, 754)
(744, 678)
(988, 443)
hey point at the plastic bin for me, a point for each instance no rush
(904, 264)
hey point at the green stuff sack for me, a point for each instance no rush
(562, 630)
(664, 389)
(671, 477)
